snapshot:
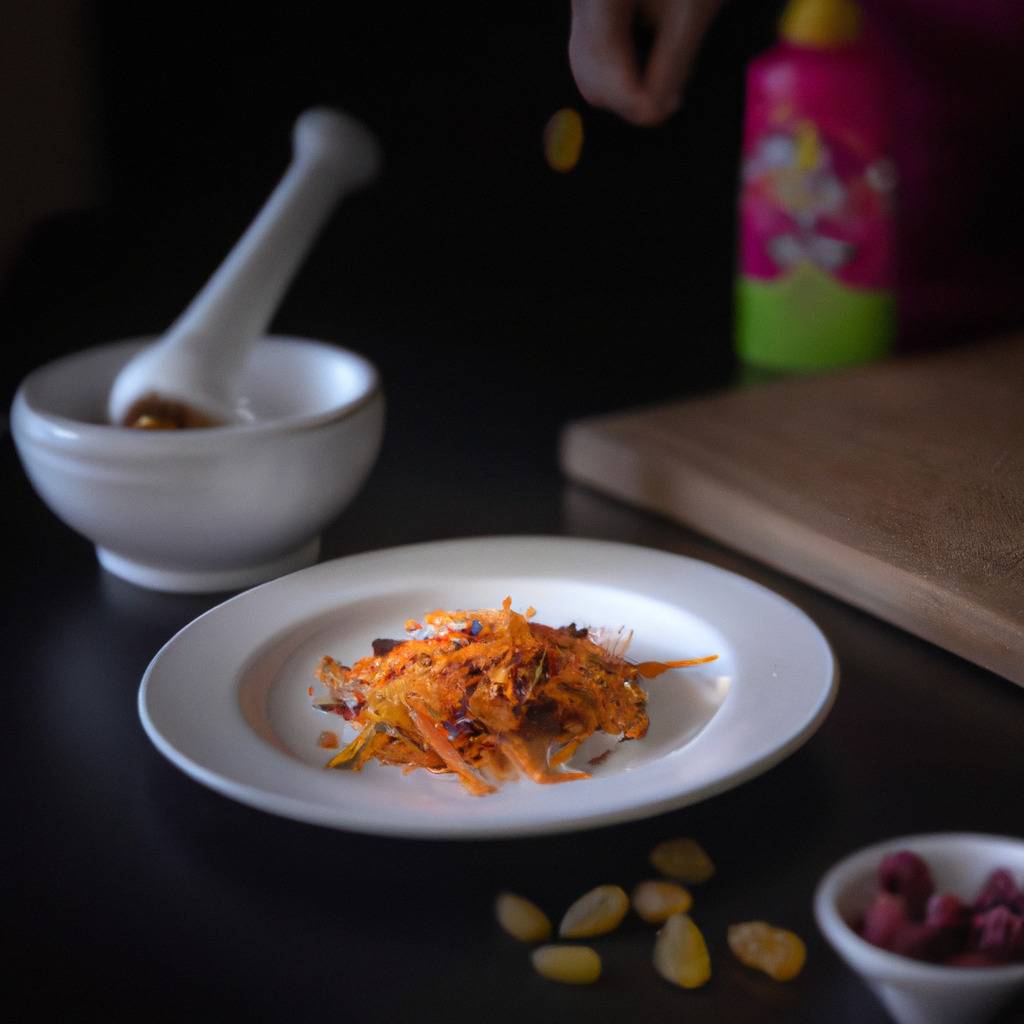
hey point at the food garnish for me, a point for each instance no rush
(487, 694)
(777, 952)
(152, 412)
(563, 139)
(683, 859)
(571, 965)
(521, 918)
(596, 912)
(655, 900)
(681, 954)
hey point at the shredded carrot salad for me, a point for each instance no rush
(488, 694)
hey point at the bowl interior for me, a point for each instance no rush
(284, 378)
(960, 863)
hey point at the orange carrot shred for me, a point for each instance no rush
(650, 669)
(435, 737)
(524, 755)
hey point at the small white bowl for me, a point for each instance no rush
(915, 992)
(213, 509)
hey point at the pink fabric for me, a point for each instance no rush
(956, 72)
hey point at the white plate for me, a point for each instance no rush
(227, 698)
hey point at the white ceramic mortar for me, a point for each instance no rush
(212, 509)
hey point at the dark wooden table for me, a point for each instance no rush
(135, 893)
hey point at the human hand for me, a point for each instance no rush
(603, 57)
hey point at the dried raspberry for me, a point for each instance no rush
(886, 915)
(999, 932)
(944, 910)
(887, 925)
(905, 874)
(999, 890)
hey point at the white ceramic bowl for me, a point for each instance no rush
(213, 509)
(915, 992)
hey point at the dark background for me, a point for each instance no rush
(567, 292)
(164, 128)
(499, 299)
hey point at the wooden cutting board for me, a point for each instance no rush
(898, 488)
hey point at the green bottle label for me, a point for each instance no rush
(806, 320)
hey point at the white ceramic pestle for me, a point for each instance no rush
(195, 367)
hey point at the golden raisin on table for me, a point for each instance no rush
(776, 951)
(657, 900)
(522, 919)
(681, 954)
(570, 965)
(683, 859)
(595, 913)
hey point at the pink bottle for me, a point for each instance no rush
(816, 257)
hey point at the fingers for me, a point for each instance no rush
(680, 26)
(603, 58)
